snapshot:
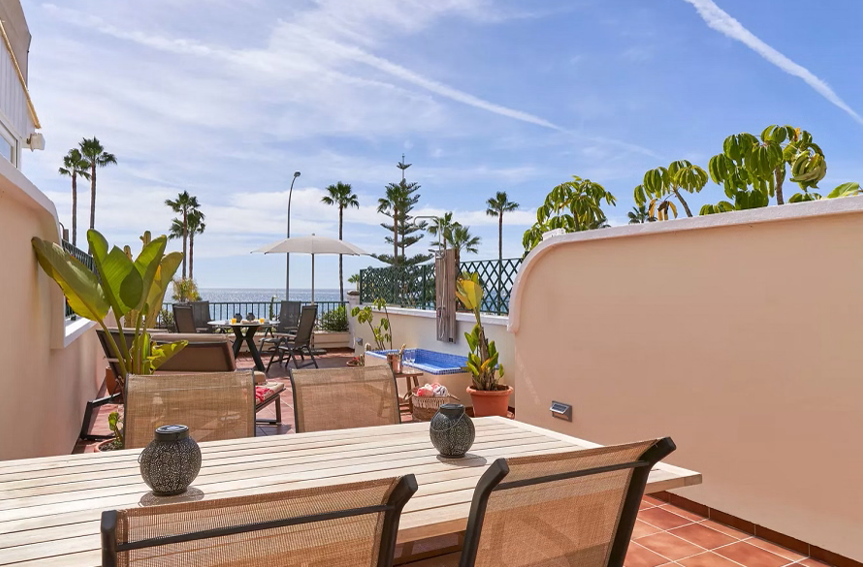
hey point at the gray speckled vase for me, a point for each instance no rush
(451, 431)
(171, 462)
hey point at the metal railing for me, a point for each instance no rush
(221, 310)
(85, 259)
(414, 286)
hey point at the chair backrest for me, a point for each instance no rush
(308, 315)
(289, 316)
(214, 405)
(128, 334)
(215, 355)
(341, 398)
(200, 313)
(574, 508)
(184, 320)
(349, 524)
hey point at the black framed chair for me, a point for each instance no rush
(573, 508)
(301, 343)
(201, 316)
(184, 318)
(348, 524)
(289, 320)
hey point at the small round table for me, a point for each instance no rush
(247, 336)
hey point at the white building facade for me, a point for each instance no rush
(18, 120)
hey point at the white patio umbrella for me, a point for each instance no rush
(311, 245)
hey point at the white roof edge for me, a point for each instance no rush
(14, 184)
(794, 211)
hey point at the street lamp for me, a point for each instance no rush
(288, 256)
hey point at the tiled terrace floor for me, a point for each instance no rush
(664, 534)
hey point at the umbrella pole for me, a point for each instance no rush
(313, 279)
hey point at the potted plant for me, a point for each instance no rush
(382, 332)
(488, 395)
(128, 288)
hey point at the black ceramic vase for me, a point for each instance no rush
(451, 430)
(171, 462)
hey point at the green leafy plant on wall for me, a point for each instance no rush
(186, 290)
(335, 320)
(482, 360)
(382, 332)
(663, 183)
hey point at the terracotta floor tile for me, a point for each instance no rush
(727, 530)
(645, 505)
(652, 500)
(709, 559)
(701, 535)
(685, 513)
(751, 556)
(637, 556)
(776, 549)
(669, 545)
(662, 518)
(809, 562)
(642, 529)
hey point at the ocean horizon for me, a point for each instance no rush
(217, 294)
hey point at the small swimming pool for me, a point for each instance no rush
(428, 361)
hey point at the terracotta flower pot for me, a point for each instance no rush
(490, 402)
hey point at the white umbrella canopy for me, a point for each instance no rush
(311, 245)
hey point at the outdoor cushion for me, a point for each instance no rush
(267, 391)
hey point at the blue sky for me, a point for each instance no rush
(227, 98)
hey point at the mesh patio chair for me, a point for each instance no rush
(576, 508)
(184, 319)
(112, 397)
(342, 398)
(289, 320)
(214, 405)
(347, 524)
(201, 315)
(213, 353)
(301, 343)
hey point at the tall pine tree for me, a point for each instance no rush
(397, 204)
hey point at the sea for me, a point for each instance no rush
(236, 295)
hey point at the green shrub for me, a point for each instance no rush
(335, 320)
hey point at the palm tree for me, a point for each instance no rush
(343, 197)
(442, 228)
(460, 239)
(497, 206)
(96, 156)
(196, 225)
(184, 203)
(640, 215)
(75, 166)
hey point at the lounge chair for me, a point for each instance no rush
(214, 405)
(112, 397)
(201, 316)
(574, 508)
(213, 353)
(342, 398)
(289, 320)
(347, 524)
(301, 343)
(184, 319)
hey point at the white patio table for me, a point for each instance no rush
(50, 507)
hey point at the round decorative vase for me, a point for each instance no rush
(451, 431)
(171, 462)
(490, 402)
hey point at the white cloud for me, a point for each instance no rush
(722, 22)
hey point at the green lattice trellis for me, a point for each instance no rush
(414, 286)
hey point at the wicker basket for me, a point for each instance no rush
(423, 408)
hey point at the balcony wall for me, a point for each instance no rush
(736, 334)
(49, 367)
(416, 328)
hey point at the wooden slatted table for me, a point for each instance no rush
(50, 507)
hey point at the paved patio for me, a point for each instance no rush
(664, 534)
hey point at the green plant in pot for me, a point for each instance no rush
(488, 395)
(128, 288)
(382, 332)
